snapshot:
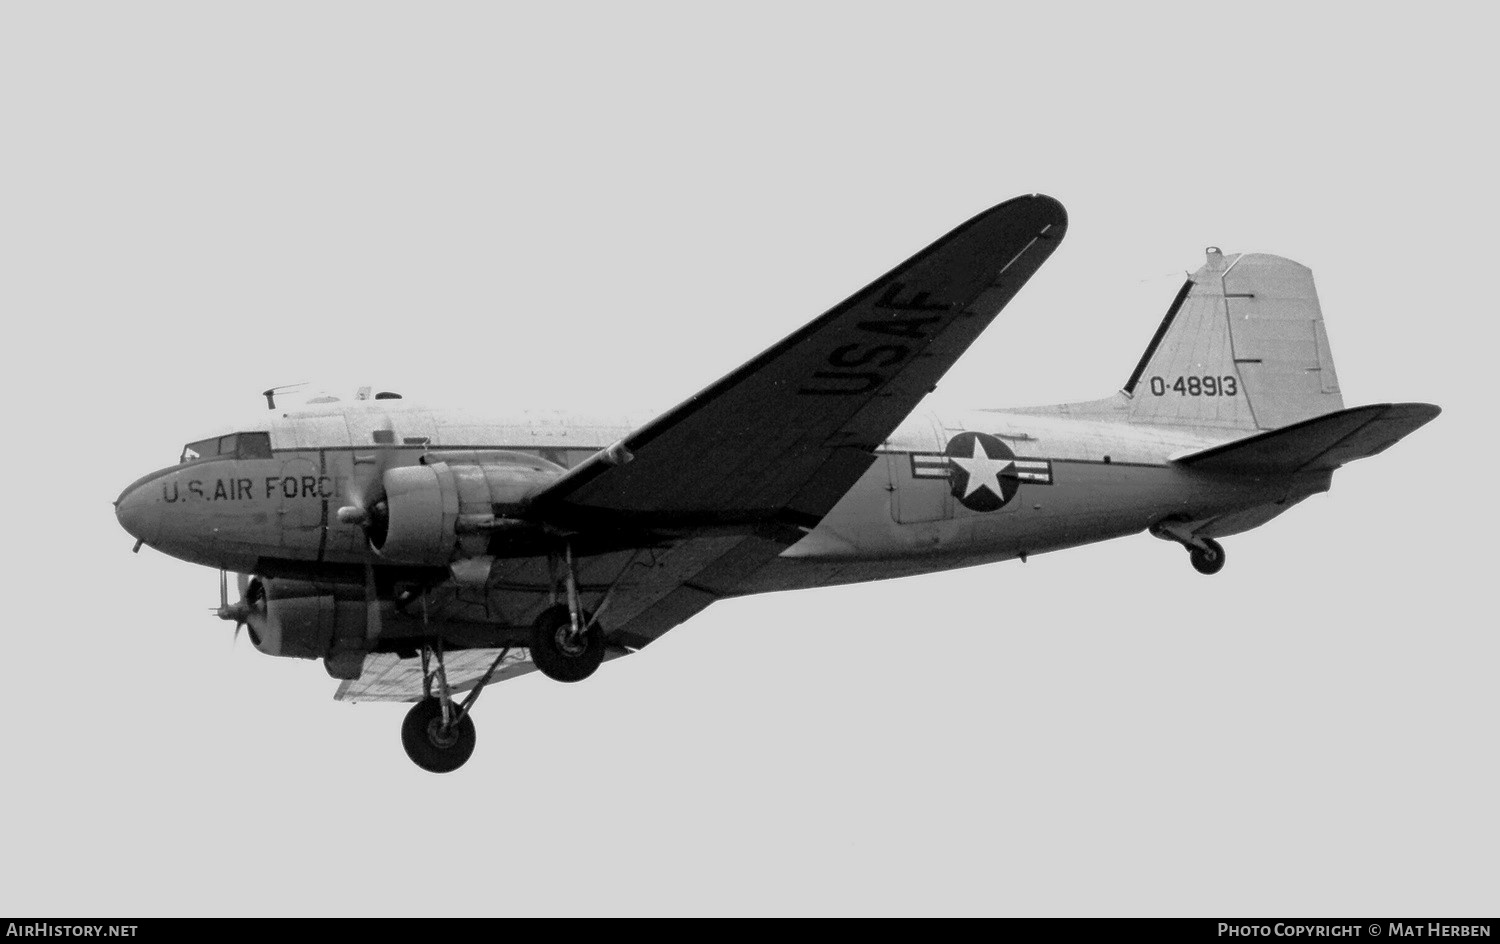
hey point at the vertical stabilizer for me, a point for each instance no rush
(1242, 347)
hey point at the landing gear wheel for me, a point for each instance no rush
(1208, 559)
(558, 652)
(430, 744)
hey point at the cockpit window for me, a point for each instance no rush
(235, 445)
(199, 450)
(253, 446)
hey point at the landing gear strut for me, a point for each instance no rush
(560, 651)
(438, 733)
(567, 643)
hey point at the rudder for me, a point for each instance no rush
(1242, 347)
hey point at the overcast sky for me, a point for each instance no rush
(606, 204)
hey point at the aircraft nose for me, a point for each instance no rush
(137, 512)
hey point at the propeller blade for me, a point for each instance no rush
(224, 611)
(372, 599)
(366, 480)
(242, 608)
(366, 493)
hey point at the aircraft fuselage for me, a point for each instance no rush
(1056, 479)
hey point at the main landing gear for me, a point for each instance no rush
(436, 743)
(567, 643)
(1206, 554)
(438, 733)
(566, 646)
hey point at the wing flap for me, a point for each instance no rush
(681, 581)
(1321, 443)
(388, 677)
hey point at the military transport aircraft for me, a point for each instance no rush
(423, 553)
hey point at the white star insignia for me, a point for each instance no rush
(984, 472)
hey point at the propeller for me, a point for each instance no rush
(242, 609)
(367, 508)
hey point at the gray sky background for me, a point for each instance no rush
(569, 205)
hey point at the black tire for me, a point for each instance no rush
(1208, 559)
(558, 654)
(429, 745)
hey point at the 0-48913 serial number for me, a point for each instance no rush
(1226, 386)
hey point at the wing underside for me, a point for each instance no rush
(787, 434)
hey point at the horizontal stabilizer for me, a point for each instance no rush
(1321, 443)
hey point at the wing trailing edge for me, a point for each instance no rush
(1321, 443)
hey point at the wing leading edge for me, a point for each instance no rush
(783, 437)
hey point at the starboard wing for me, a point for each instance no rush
(787, 434)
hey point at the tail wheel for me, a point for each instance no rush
(432, 745)
(559, 652)
(1208, 559)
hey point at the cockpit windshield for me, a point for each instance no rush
(235, 446)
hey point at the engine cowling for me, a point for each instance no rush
(440, 512)
(302, 620)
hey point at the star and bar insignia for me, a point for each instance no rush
(982, 472)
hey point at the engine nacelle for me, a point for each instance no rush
(442, 512)
(300, 619)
